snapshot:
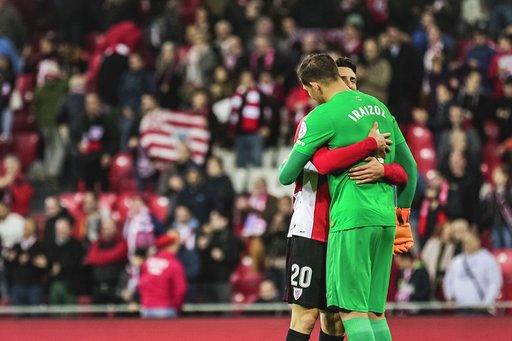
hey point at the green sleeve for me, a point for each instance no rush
(406, 160)
(397, 133)
(292, 167)
(314, 132)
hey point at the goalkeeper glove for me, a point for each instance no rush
(403, 238)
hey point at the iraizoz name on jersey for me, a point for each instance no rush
(366, 110)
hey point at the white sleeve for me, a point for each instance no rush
(448, 280)
(494, 281)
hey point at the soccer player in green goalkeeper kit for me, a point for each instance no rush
(363, 219)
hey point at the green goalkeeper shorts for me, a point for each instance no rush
(358, 268)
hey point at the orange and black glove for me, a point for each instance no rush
(403, 238)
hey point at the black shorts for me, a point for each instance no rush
(305, 272)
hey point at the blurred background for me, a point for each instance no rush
(122, 120)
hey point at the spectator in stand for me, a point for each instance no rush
(141, 228)
(234, 58)
(88, 225)
(45, 108)
(11, 227)
(501, 17)
(473, 277)
(53, 211)
(247, 122)
(27, 265)
(187, 227)
(497, 211)
(262, 201)
(502, 111)
(94, 143)
(404, 86)
(374, 73)
(168, 76)
(15, 189)
(129, 279)
(107, 258)
(221, 87)
(65, 256)
(268, 292)
(134, 82)
(480, 54)
(70, 117)
(459, 138)
(432, 210)
(437, 254)
(421, 140)
(264, 57)
(472, 98)
(220, 185)
(200, 62)
(163, 283)
(274, 239)
(220, 254)
(439, 115)
(12, 25)
(464, 184)
(196, 195)
(223, 32)
(413, 281)
(501, 65)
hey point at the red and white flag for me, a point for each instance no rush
(162, 131)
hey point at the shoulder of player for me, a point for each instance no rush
(314, 114)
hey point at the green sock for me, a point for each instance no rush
(359, 329)
(381, 330)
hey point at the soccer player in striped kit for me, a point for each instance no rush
(307, 236)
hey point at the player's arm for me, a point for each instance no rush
(328, 161)
(314, 131)
(403, 156)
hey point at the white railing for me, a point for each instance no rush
(227, 307)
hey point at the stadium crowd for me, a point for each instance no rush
(125, 121)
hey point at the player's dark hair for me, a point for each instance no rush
(317, 68)
(346, 62)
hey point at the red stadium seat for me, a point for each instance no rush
(246, 282)
(26, 147)
(159, 207)
(122, 175)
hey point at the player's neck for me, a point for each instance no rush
(335, 88)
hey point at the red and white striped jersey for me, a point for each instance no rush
(162, 131)
(311, 202)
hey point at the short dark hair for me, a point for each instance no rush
(346, 62)
(318, 67)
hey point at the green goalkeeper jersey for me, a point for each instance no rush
(346, 119)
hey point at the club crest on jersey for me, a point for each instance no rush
(297, 293)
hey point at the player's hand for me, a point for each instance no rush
(383, 141)
(372, 171)
(403, 238)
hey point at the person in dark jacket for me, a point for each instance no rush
(196, 195)
(220, 185)
(220, 254)
(53, 211)
(413, 282)
(109, 77)
(107, 257)
(27, 265)
(134, 82)
(94, 143)
(65, 257)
